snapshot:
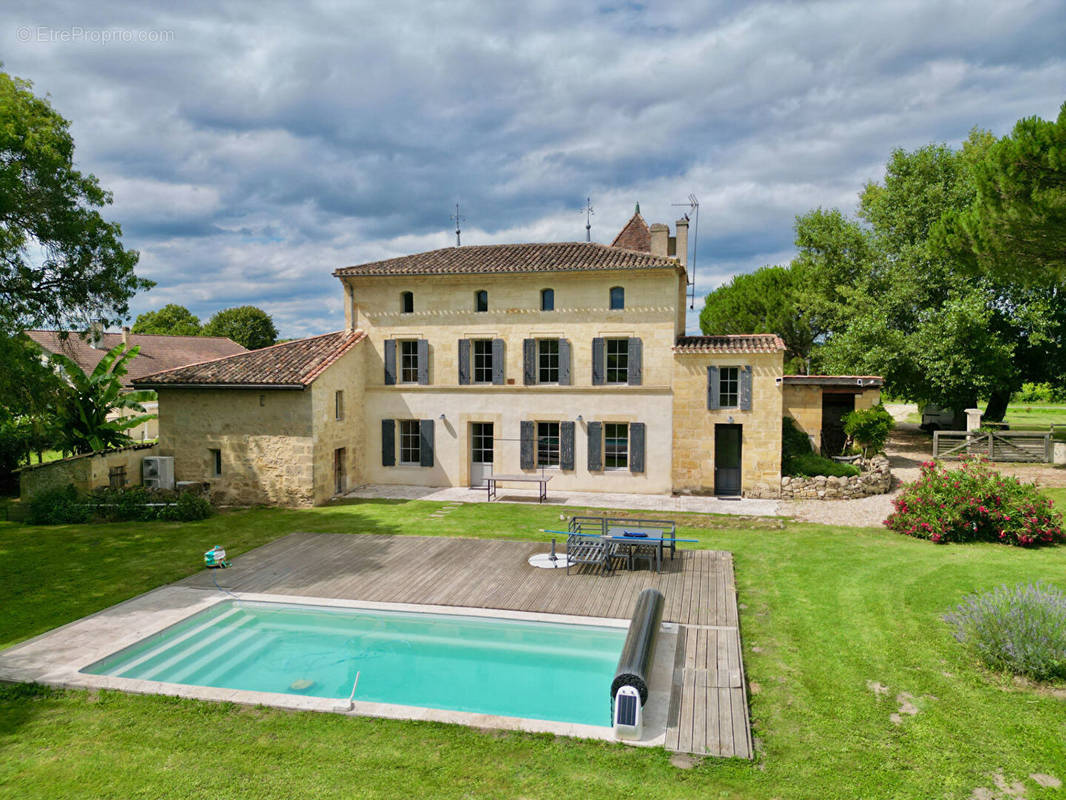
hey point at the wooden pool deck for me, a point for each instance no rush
(708, 708)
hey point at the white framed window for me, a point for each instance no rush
(547, 444)
(410, 442)
(616, 445)
(482, 355)
(617, 354)
(547, 360)
(408, 361)
(729, 387)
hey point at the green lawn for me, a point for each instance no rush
(826, 613)
(1026, 417)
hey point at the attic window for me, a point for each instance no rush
(407, 302)
(547, 299)
(618, 298)
(481, 300)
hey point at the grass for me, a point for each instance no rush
(826, 613)
(1026, 417)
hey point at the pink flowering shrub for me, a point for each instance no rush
(974, 503)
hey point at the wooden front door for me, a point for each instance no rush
(727, 459)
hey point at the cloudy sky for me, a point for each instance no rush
(253, 147)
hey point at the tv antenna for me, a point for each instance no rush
(458, 218)
(693, 206)
(588, 218)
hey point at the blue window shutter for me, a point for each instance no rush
(712, 389)
(464, 362)
(388, 443)
(423, 362)
(564, 362)
(595, 446)
(529, 361)
(528, 444)
(636, 362)
(497, 361)
(566, 445)
(425, 442)
(598, 358)
(390, 362)
(636, 447)
(745, 388)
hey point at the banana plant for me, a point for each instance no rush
(90, 398)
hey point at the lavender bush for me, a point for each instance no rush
(1022, 630)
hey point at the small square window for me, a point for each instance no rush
(547, 444)
(729, 387)
(409, 361)
(618, 298)
(407, 302)
(410, 442)
(481, 300)
(616, 445)
(547, 299)
(216, 462)
(482, 360)
(617, 361)
(338, 404)
(547, 361)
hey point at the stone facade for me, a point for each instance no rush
(803, 402)
(85, 472)
(875, 478)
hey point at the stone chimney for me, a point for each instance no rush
(681, 248)
(660, 239)
(126, 335)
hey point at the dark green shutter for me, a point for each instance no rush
(464, 362)
(598, 357)
(528, 448)
(636, 362)
(425, 442)
(423, 362)
(712, 389)
(388, 443)
(564, 362)
(745, 388)
(636, 447)
(566, 445)
(390, 362)
(595, 446)
(497, 361)
(529, 361)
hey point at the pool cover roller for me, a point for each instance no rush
(634, 665)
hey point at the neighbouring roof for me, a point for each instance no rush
(94, 454)
(850, 381)
(157, 352)
(512, 258)
(292, 365)
(635, 234)
(744, 343)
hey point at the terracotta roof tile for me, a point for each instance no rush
(512, 258)
(294, 364)
(742, 343)
(157, 352)
(635, 235)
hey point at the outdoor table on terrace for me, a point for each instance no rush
(491, 481)
(634, 543)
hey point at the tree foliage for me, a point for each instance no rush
(764, 301)
(91, 397)
(249, 326)
(60, 260)
(170, 320)
(29, 396)
(1015, 227)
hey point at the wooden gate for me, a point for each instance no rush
(994, 445)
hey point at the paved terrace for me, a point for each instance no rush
(708, 711)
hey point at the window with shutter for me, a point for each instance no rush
(529, 361)
(636, 447)
(482, 360)
(390, 362)
(388, 442)
(595, 446)
(566, 445)
(636, 362)
(564, 362)
(497, 362)
(408, 361)
(425, 442)
(547, 361)
(745, 388)
(617, 361)
(410, 442)
(547, 444)
(464, 362)
(528, 444)
(598, 348)
(615, 445)
(423, 362)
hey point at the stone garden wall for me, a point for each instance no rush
(875, 478)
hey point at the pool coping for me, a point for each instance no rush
(57, 657)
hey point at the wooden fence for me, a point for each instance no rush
(994, 445)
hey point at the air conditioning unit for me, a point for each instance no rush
(157, 472)
(628, 715)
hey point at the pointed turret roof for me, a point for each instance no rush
(635, 235)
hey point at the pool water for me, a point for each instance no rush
(514, 668)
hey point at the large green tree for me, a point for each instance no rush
(61, 262)
(170, 320)
(1015, 226)
(247, 325)
(29, 395)
(765, 301)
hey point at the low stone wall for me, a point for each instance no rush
(875, 478)
(86, 472)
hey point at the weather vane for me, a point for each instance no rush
(588, 218)
(457, 217)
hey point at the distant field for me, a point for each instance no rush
(1026, 417)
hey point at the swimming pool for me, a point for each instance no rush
(514, 668)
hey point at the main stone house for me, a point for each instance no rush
(569, 358)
